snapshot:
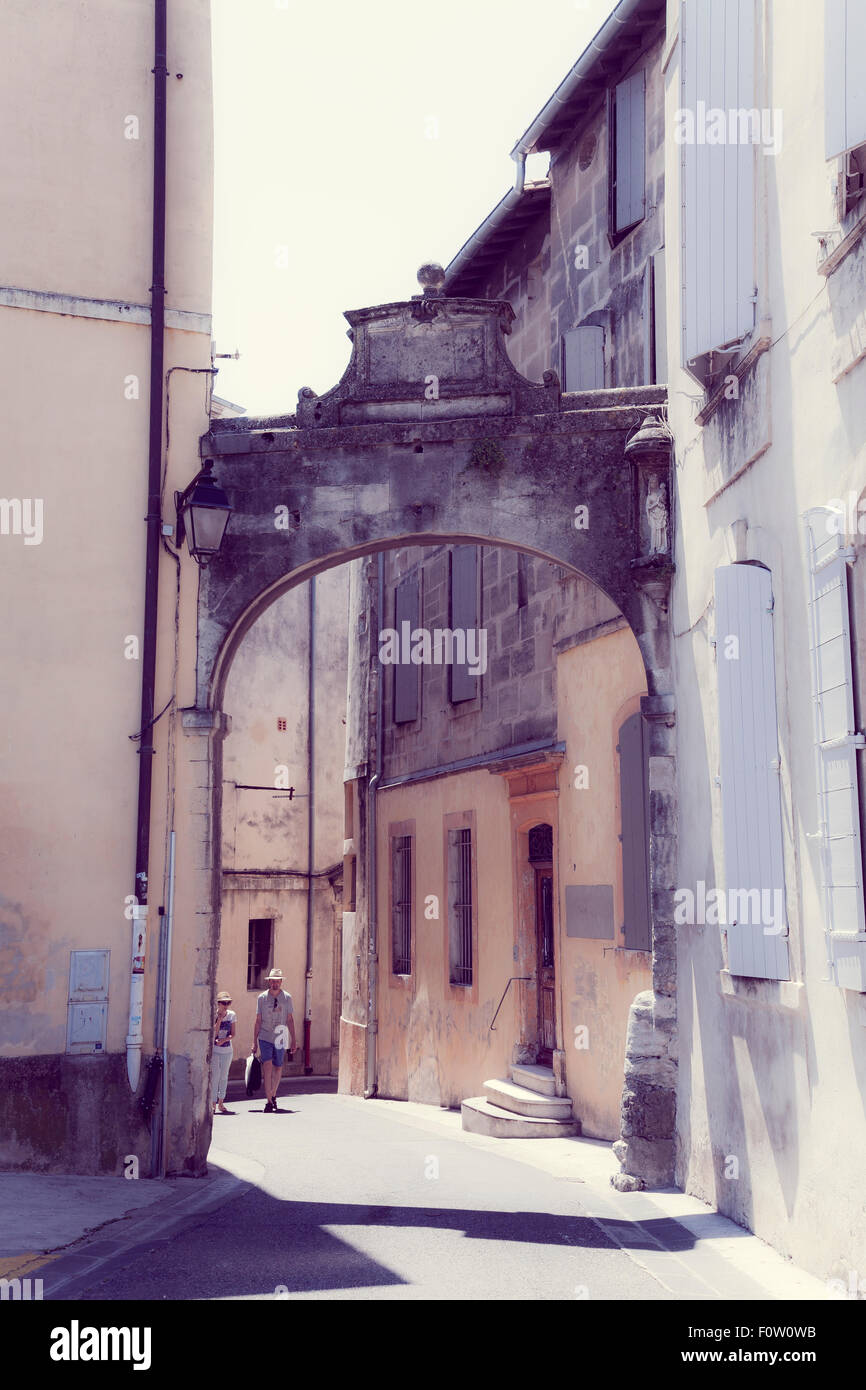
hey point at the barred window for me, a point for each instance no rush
(259, 951)
(401, 904)
(460, 905)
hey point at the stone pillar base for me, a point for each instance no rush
(646, 1148)
(353, 1058)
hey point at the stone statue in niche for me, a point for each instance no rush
(657, 515)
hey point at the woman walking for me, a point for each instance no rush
(224, 1031)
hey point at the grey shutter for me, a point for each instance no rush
(634, 804)
(630, 170)
(464, 615)
(844, 79)
(406, 677)
(717, 69)
(836, 742)
(583, 359)
(660, 317)
(646, 315)
(749, 758)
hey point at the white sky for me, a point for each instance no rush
(322, 120)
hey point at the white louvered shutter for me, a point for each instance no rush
(836, 742)
(749, 765)
(844, 77)
(717, 71)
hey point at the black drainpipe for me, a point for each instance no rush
(153, 518)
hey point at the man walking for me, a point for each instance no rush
(275, 1025)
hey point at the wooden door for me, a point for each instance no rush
(545, 966)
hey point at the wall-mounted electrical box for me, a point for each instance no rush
(88, 1001)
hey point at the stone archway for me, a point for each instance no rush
(432, 436)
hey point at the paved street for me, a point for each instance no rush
(342, 1198)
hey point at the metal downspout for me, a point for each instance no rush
(134, 1038)
(373, 860)
(311, 825)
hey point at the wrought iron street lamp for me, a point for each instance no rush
(203, 512)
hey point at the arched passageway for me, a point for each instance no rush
(433, 439)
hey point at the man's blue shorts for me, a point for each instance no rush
(271, 1053)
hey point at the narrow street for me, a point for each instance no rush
(351, 1199)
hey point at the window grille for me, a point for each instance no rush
(460, 845)
(401, 923)
(259, 951)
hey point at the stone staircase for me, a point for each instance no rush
(525, 1107)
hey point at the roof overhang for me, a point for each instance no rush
(511, 216)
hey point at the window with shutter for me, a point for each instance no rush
(659, 318)
(407, 677)
(844, 85)
(627, 163)
(717, 73)
(755, 915)
(634, 810)
(836, 742)
(583, 359)
(464, 610)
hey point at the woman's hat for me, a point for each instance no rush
(224, 997)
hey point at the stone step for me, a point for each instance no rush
(480, 1117)
(534, 1077)
(522, 1101)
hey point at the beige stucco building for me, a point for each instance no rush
(282, 859)
(75, 328)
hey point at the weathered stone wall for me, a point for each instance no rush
(527, 605)
(550, 286)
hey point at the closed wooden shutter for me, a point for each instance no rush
(646, 316)
(750, 771)
(660, 319)
(464, 616)
(844, 76)
(407, 677)
(717, 70)
(634, 804)
(836, 741)
(583, 359)
(629, 193)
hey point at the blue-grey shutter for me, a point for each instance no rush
(844, 78)
(750, 771)
(406, 676)
(464, 615)
(836, 740)
(583, 359)
(660, 317)
(646, 316)
(634, 807)
(717, 69)
(630, 174)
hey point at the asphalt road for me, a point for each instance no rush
(351, 1201)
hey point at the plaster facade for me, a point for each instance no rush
(74, 322)
(772, 1074)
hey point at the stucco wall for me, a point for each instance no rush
(435, 1043)
(76, 437)
(263, 830)
(599, 684)
(774, 1077)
